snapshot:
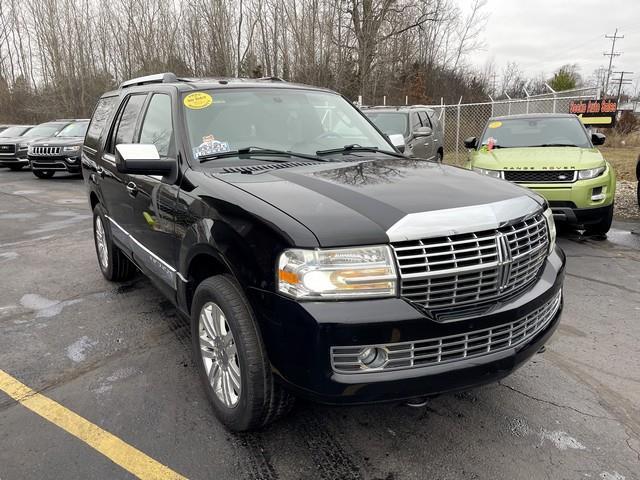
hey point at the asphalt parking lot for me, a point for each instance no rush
(118, 356)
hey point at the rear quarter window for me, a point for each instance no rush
(99, 120)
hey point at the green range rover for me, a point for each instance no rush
(554, 155)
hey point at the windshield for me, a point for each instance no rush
(301, 121)
(77, 129)
(535, 132)
(390, 123)
(44, 130)
(13, 131)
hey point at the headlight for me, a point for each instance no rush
(337, 273)
(551, 228)
(73, 148)
(490, 173)
(590, 173)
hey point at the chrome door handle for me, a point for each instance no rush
(132, 188)
(100, 171)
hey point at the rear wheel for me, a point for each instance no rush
(44, 173)
(603, 225)
(231, 357)
(439, 157)
(114, 265)
(15, 168)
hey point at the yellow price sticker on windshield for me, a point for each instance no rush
(495, 124)
(197, 100)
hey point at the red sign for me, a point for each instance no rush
(595, 112)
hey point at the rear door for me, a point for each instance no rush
(117, 201)
(154, 201)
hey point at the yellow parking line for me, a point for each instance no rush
(116, 450)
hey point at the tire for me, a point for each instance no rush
(15, 168)
(439, 157)
(256, 400)
(44, 173)
(603, 225)
(114, 265)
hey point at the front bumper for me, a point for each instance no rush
(63, 163)
(299, 337)
(19, 158)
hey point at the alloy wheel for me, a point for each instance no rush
(219, 354)
(101, 242)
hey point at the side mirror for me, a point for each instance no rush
(422, 132)
(598, 138)
(397, 140)
(142, 159)
(471, 142)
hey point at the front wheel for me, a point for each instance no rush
(231, 357)
(603, 225)
(44, 173)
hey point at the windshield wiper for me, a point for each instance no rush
(248, 151)
(357, 148)
(556, 145)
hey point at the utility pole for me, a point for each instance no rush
(494, 76)
(622, 81)
(613, 53)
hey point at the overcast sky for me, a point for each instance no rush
(542, 35)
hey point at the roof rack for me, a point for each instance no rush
(272, 78)
(70, 120)
(167, 77)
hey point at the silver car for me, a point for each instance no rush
(422, 130)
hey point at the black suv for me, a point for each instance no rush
(59, 153)
(13, 150)
(311, 257)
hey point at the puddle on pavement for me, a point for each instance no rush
(45, 307)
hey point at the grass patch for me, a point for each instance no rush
(624, 161)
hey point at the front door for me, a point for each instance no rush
(154, 200)
(113, 183)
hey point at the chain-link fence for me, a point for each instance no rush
(468, 119)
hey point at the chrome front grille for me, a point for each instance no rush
(45, 151)
(451, 348)
(459, 270)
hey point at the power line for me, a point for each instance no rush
(613, 53)
(622, 81)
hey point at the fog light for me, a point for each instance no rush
(597, 195)
(372, 357)
(72, 159)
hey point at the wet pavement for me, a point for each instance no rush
(118, 355)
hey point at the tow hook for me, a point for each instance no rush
(417, 402)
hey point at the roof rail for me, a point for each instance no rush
(272, 78)
(167, 77)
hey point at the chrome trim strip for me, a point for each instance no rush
(174, 274)
(454, 221)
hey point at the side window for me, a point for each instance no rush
(157, 127)
(415, 121)
(99, 119)
(425, 119)
(125, 127)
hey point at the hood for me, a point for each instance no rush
(359, 202)
(538, 158)
(17, 140)
(57, 141)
